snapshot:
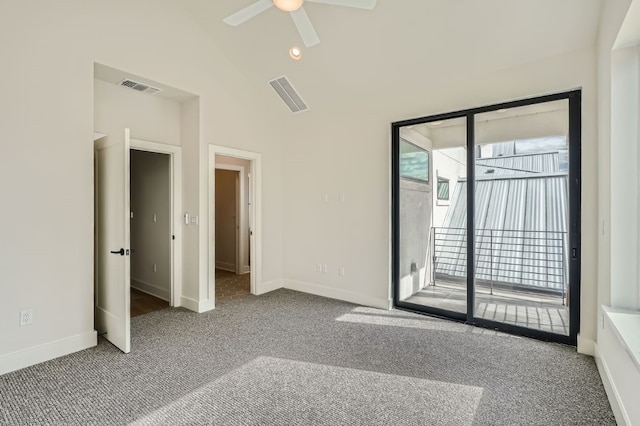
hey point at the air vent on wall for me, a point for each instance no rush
(285, 90)
(140, 87)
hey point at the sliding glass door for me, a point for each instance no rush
(509, 175)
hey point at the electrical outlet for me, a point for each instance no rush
(155, 268)
(319, 267)
(26, 317)
(341, 271)
(325, 268)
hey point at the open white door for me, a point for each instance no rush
(113, 263)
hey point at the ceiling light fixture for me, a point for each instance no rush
(295, 53)
(288, 5)
(435, 123)
(502, 110)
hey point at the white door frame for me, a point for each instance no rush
(175, 171)
(241, 215)
(255, 213)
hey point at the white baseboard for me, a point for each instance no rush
(268, 286)
(586, 346)
(226, 266)
(335, 293)
(246, 269)
(189, 303)
(198, 306)
(612, 392)
(45, 352)
(206, 305)
(154, 290)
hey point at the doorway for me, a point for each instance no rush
(486, 216)
(150, 195)
(235, 223)
(232, 186)
(169, 170)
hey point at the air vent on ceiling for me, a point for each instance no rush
(140, 87)
(285, 90)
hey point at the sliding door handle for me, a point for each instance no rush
(120, 252)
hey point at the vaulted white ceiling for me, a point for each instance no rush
(400, 44)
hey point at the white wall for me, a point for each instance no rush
(149, 117)
(612, 16)
(625, 187)
(151, 223)
(618, 229)
(46, 158)
(345, 149)
(190, 113)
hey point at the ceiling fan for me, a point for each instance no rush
(295, 9)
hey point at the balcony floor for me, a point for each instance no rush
(533, 311)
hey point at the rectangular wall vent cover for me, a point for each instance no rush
(140, 87)
(288, 94)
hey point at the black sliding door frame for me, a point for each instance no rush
(574, 98)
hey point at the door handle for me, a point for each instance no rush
(120, 252)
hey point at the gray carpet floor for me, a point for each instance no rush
(288, 358)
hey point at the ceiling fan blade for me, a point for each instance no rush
(360, 4)
(305, 27)
(248, 12)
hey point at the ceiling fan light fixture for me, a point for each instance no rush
(295, 53)
(288, 5)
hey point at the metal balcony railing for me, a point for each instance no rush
(520, 260)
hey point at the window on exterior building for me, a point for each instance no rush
(443, 188)
(414, 162)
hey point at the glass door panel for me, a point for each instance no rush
(432, 203)
(522, 216)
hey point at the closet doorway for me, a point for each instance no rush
(151, 231)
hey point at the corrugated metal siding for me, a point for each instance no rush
(518, 165)
(453, 239)
(521, 223)
(489, 246)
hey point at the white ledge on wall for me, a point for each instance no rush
(617, 354)
(626, 325)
